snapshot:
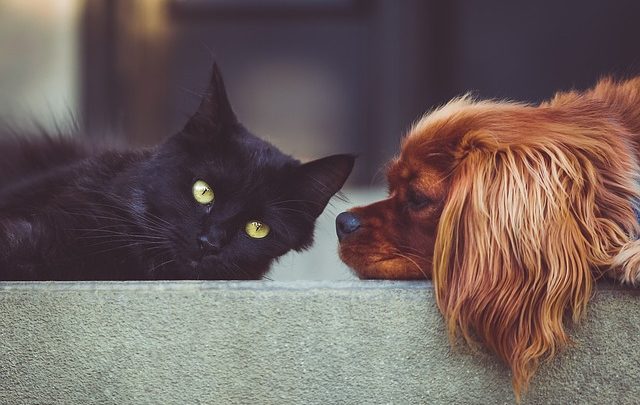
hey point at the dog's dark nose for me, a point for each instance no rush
(346, 223)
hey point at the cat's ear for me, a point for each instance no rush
(214, 116)
(317, 181)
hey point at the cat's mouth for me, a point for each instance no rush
(202, 263)
(199, 263)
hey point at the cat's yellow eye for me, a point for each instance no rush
(202, 192)
(257, 229)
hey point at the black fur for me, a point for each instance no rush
(70, 212)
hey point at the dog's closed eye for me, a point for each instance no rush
(418, 200)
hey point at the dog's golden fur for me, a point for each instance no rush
(520, 209)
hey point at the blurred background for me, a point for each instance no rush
(313, 77)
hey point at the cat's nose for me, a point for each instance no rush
(346, 223)
(210, 244)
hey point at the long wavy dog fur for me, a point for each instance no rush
(515, 211)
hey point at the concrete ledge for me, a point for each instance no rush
(273, 342)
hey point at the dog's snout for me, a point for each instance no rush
(346, 223)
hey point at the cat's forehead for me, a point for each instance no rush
(241, 171)
(251, 158)
(262, 151)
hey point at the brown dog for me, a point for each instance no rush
(514, 211)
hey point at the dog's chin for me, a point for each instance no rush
(368, 266)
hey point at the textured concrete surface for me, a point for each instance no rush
(280, 343)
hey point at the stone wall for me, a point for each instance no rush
(284, 342)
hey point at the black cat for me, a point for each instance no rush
(211, 202)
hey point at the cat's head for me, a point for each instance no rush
(228, 202)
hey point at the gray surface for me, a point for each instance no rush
(274, 342)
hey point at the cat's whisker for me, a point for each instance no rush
(119, 221)
(342, 197)
(242, 271)
(115, 240)
(282, 225)
(163, 264)
(127, 245)
(107, 232)
(147, 216)
(120, 242)
(316, 203)
(303, 213)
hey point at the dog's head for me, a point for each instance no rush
(512, 210)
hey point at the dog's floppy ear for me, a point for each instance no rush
(518, 237)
